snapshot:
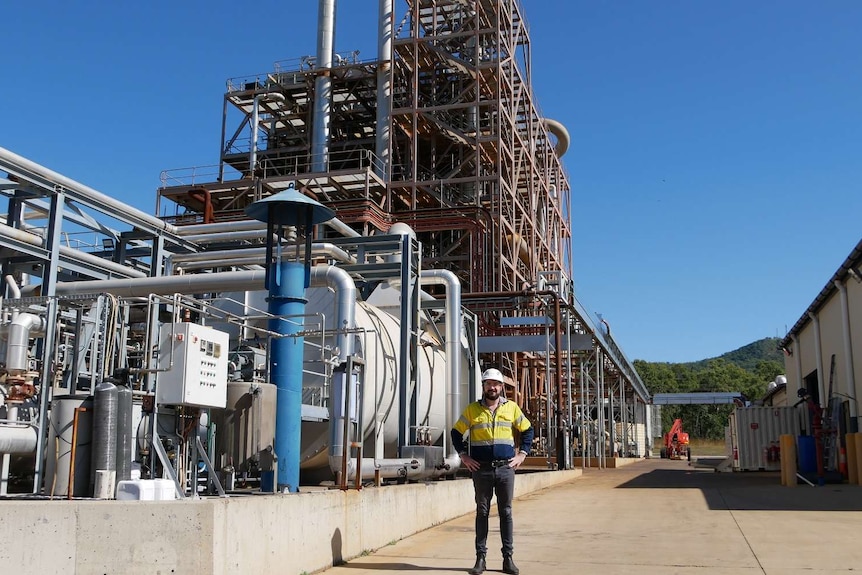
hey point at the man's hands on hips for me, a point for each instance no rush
(517, 460)
(469, 462)
(473, 465)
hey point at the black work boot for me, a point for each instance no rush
(509, 566)
(479, 567)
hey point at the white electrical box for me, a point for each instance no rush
(192, 366)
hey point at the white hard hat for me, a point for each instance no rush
(492, 374)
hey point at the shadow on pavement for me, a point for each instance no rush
(397, 567)
(752, 491)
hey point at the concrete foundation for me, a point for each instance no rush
(292, 533)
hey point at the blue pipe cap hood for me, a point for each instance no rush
(290, 208)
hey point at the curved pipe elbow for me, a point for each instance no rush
(17, 351)
(561, 133)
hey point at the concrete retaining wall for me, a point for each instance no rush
(288, 534)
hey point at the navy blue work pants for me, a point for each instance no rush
(486, 482)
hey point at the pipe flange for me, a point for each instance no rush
(19, 391)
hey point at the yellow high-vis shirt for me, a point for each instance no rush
(492, 435)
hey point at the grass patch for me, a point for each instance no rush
(708, 447)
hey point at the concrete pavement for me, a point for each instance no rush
(654, 517)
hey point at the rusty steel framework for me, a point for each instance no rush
(468, 162)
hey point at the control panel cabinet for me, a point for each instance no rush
(193, 366)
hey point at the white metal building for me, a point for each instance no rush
(830, 328)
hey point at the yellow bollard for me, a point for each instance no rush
(787, 444)
(852, 470)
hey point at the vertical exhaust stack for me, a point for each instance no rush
(384, 87)
(323, 87)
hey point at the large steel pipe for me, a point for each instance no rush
(33, 172)
(18, 439)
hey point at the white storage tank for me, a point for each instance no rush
(377, 341)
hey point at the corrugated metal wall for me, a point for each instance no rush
(755, 433)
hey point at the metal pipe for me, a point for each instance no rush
(186, 284)
(405, 468)
(255, 120)
(255, 113)
(18, 348)
(216, 257)
(323, 86)
(205, 229)
(71, 253)
(384, 86)
(14, 292)
(77, 190)
(453, 339)
(562, 134)
(18, 438)
(233, 236)
(200, 232)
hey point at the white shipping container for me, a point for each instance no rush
(755, 433)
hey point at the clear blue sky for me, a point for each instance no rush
(716, 154)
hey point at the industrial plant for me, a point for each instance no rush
(314, 310)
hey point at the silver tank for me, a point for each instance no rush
(246, 426)
(59, 449)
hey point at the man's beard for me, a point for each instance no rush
(492, 394)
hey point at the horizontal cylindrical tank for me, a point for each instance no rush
(377, 343)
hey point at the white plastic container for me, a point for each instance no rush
(164, 490)
(136, 490)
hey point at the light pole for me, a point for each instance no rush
(290, 218)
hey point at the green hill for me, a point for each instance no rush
(747, 356)
(747, 370)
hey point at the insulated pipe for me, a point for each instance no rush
(17, 350)
(562, 134)
(323, 86)
(384, 86)
(14, 292)
(317, 249)
(205, 229)
(200, 231)
(202, 239)
(18, 438)
(453, 339)
(87, 192)
(345, 304)
(255, 114)
(34, 240)
(185, 284)
(342, 228)
(255, 120)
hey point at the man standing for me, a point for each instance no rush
(490, 456)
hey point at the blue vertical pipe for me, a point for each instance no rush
(287, 281)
